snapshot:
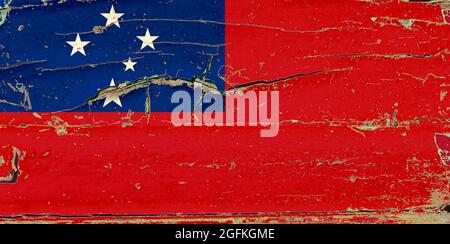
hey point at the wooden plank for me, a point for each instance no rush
(363, 134)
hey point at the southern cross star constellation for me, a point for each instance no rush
(113, 18)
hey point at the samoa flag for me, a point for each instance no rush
(86, 102)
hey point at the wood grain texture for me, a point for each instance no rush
(364, 134)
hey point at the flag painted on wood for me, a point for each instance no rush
(86, 102)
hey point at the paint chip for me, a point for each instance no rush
(443, 145)
(407, 23)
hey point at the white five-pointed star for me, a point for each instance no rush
(112, 17)
(129, 65)
(147, 40)
(112, 97)
(78, 46)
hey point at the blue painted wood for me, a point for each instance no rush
(34, 54)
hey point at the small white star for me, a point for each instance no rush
(129, 65)
(147, 40)
(78, 46)
(112, 17)
(112, 97)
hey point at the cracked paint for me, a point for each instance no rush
(17, 88)
(39, 66)
(4, 9)
(14, 172)
(446, 11)
(364, 114)
(443, 145)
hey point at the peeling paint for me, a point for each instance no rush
(363, 137)
(18, 88)
(443, 146)
(445, 4)
(407, 23)
(4, 10)
(14, 173)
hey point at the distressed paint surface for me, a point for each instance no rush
(188, 48)
(363, 137)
